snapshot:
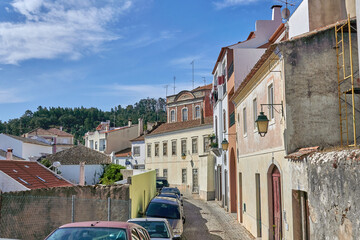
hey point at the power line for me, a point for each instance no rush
(174, 84)
(193, 81)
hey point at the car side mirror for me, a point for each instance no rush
(181, 194)
(183, 220)
(176, 237)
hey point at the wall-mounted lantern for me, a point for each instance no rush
(225, 145)
(183, 156)
(262, 121)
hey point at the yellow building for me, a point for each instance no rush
(180, 152)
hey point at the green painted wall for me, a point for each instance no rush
(142, 190)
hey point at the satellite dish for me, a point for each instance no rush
(56, 164)
(285, 14)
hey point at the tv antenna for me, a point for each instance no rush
(204, 79)
(174, 84)
(193, 81)
(166, 87)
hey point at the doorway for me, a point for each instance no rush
(276, 203)
(233, 193)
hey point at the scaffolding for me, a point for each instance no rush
(345, 75)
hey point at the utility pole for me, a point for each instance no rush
(204, 79)
(193, 81)
(115, 117)
(174, 84)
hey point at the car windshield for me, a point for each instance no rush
(163, 210)
(170, 190)
(88, 233)
(155, 229)
(162, 182)
(168, 195)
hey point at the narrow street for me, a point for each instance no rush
(207, 220)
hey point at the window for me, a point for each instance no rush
(102, 145)
(136, 151)
(255, 112)
(206, 144)
(244, 121)
(197, 112)
(164, 148)
(238, 118)
(91, 144)
(184, 113)
(95, 145)
(172, 116)
(194, 145)
(224, 119)
(149, 150)
(165, 173)
(183, 146)
(157, 172)
(173, 148)
(271, 100)
(157, 149)
(183, 175)
(216, 128)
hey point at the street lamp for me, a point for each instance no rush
(183, 156)
(225, 145)
(262, 121)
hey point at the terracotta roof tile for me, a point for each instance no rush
(123, 153)
(59, 132)
(302, 152)
(50, 131)
(176, 126)
(32, 175)
(206, 87)
(138, 139)
(77, 154)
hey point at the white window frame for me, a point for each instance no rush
(136, 153)
(244, 122)
(197, 109)
(255, 114)
(171, 116)
(182, 114)
(271, 98)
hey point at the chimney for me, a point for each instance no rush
(129, 123)
(82, 174)
(276, 12)
(9, 154)
(140, 126)
(61, 128)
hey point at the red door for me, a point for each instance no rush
(276, 204)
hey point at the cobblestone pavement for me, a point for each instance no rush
(207, 220)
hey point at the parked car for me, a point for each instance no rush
(169, 208)
(158, 228)
(160, 183)
(172, 195)
(95, 230)
(172, 190)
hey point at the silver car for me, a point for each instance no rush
(158, 228)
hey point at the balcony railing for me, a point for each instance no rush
(232, 119)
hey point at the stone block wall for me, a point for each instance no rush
(334, 195)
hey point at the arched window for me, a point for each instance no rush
(172, 116)
(184, 114)
(197, 112)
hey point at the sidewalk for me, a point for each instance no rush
(219, 222)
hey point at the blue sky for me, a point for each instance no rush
(102, 53)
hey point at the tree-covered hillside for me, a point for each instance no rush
(78, 121)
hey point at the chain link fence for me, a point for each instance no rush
(34, 217)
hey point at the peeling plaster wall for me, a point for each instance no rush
(334, 194)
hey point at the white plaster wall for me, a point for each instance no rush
(299, 20)
(9, 142)
(72, 173)
(140, 159)
(8, 184)
(34, 150)
(96, 136)
(244, 61)
(65, 140)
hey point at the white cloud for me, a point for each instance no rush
(230, 3)
(149, 38)
(58, 28)
(11, 95)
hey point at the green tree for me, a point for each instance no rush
(111, 174)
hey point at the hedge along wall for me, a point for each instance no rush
(34, 214)
(142, 190)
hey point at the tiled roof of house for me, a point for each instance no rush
(3, 154)
(50, 131)
(32, 175)
(28, 140)
(138, 139)
(77, 154)
(302, 152)
(123, 153)
(176, 126)
(206, 87)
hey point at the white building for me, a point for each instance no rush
(26, 148)
(239, 59)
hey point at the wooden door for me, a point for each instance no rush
(276, 204)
